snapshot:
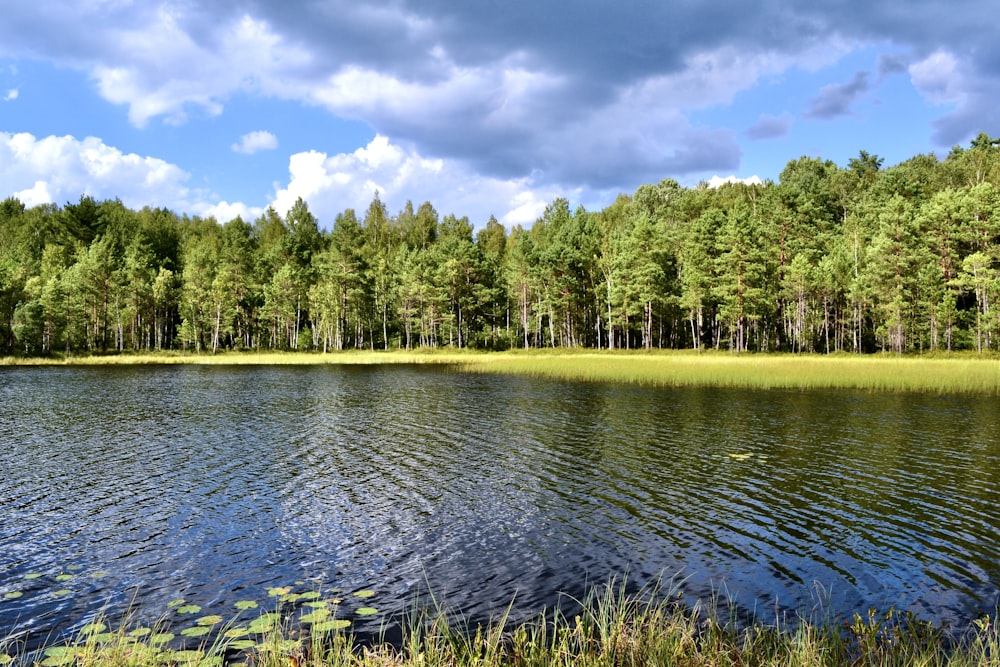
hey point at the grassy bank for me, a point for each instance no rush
(611, 629)
(959, 374)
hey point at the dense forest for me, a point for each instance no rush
(858, 258)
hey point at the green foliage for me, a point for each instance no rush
(856, 259)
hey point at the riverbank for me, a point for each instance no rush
(611, 628)
(958, 374)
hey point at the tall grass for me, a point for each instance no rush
(611, 628)
(964, 375)
(959, 374)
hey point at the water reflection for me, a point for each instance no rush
(213, 484)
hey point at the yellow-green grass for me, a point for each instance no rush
(958, 374)
(610, 629)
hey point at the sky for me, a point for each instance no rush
(225, 107)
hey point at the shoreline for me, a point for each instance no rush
(963, 374)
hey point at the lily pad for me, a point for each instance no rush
(318, 604)
(13, 595)
(243, 605)
(310, 595)
(161, 638)
(64, 577)
(184, 657)
(316, 616)
(100, 574)
(62, 592)
(266, 623)
(209, 620)
(332, 625)
(277, 591)
(74, 568)
(175, 603)
(59, 655)
(242, 644)
(103, 638)
(196, 631)
(291, 598)
(236, 633)
(364, 594)
(33, 575)
(189, 609)
(93, 628)
(140, 632)
(366, 611)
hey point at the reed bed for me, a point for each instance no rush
(958, 374)
(610, 629)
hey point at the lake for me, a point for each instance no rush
(141, 487)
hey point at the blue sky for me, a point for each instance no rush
(482, 108)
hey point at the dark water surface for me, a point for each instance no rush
(137, 486)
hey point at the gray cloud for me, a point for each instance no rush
(770, 127)
(589, 93)
(835, 99)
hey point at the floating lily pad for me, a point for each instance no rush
(316, 616)
(93, 628)
(266, 623)
(196, 631)
(33, 575)
(175, 603)
(100, 574)
(242, 644)
(189, 609)
(161, 638)
(74, 568)
(184, 657)
(13, 595)
(310, 595)
(330, 626)
(318, 604)
(64, 577)
(277, 591)
(59, 655)
(364, 594)
(139, 632)
(291, 598)
(243, 605)
(209, 620)
(236, 633)
(366, 611)
(62, 592)
(103, 638)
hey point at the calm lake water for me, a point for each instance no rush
(141, 486)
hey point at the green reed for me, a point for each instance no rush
(611, 628)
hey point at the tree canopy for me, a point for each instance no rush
(860, 258)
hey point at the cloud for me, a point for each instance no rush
(333, 183)
(59, 169)
(836, 99)
(717, 181)
(252, 142)
(587, 95)
(11, 95)
(770, 127)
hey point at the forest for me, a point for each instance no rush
(861, 258)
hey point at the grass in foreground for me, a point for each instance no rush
(612, 628)
(960, 374)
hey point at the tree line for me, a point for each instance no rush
(858, 258)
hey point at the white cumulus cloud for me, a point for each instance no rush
(250, 143)
(11, 95)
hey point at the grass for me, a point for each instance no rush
(957, 374)
(610, 629)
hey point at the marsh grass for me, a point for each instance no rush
(956, 374)
(610, 628)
